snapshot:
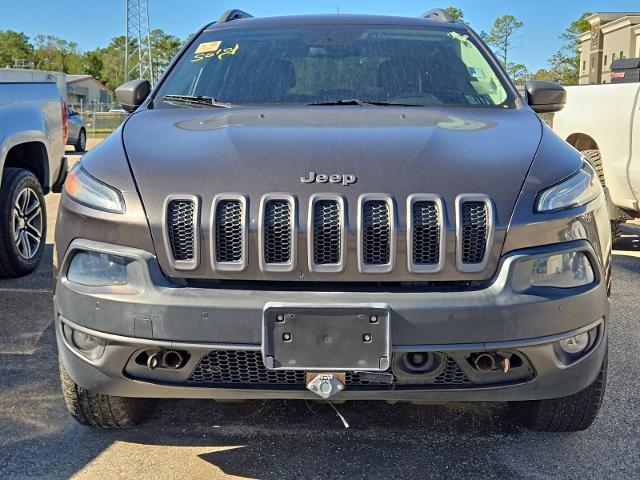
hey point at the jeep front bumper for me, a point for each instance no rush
(220, 329)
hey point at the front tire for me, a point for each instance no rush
(568, 414)
(23, 223)
(103, 411)
(81, 143)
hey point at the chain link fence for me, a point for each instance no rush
(100, 119)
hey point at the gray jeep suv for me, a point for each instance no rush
(334, 207)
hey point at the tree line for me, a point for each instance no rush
(47, 52)
(562, 67)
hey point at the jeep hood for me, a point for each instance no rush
(398, 151)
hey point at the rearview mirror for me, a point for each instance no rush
(133, 93)
(545, 97)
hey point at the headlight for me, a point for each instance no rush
(97, 269)
(561, 270)
(582, 187)
(86, 190)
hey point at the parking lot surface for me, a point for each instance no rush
(295, 439)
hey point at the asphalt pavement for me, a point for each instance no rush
(296, 439)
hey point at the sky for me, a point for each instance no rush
(92, 23)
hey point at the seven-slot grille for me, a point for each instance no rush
(475, 230)
(376, 233)
(181, 229)
(229, 231)
(425, 233)
(326, 232)
(278, 231)
(425, 217)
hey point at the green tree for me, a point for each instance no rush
(543, 74)
(53, 53)
(92, 62)
(456, 13)
(112, 72)
(163, 48)
(518, 73)
(501, 36)
(14, 46)
(565, 63)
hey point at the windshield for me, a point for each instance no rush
(315, 64)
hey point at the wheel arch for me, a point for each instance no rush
(31, 156)
(582, 142)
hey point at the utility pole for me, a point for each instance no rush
(137, 57)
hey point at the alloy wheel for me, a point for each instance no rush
(27, 223)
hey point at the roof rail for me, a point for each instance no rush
(233, 14)
(438, 14)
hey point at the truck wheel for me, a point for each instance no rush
(616, 215)
(23, 223)
(568, 414)
(81, 143)
(104, 411)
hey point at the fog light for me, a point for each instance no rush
(574, 345)
(97, 269)
(84, 341)
(559, 270)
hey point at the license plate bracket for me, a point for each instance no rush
(326, 338)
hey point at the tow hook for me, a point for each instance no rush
(325, 385)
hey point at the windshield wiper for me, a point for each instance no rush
(195, 100)
(362, 103)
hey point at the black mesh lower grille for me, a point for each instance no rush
(451, 375)
(426, 233)
(326, 232)
(229, 231)
(245, 367)
(376, 233)
(277, 231)
(181, 229)
(474, 232)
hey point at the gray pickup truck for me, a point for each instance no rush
(336, 208)
(33, 132)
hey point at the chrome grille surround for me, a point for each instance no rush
(326, 236)
(475, 225)
(228, 232)
(277, 232)
(376, 231)
(426, 233)
(181, 231)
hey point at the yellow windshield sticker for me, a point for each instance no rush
(228, 51)
(213, 50)
(208, 47)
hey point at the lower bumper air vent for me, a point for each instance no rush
(245, 369)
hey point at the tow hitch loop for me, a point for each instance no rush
(326, 385)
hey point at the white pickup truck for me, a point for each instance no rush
(33, 134)
(603, 122)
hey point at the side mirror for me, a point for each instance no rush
(133, 93)
(545, 97)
